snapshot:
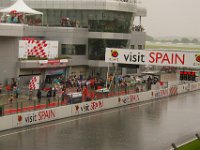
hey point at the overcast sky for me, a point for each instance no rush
(172, 17)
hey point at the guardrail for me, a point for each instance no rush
(24, 115)
(19, 106)
(192, 143)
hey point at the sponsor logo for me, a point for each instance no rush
(36, 117)
(197, 60)
(19, 118)
(114, 55)
(197, 57)
(92, 106)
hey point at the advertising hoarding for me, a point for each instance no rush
(153, 57)
(38, 48)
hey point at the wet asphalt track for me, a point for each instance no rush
(148, 126)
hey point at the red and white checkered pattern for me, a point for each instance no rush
(38, 49)
(34, 83)
(173, 90)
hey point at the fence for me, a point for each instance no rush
(26, 105)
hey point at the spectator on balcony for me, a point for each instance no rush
(77, 24)
(3, 18)
(9, 19)
(65, 22)
(15, 19)
(30, 21)
(20, 18)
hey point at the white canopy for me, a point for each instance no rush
(20, 7)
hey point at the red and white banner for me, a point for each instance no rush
(34, 83)
(173, 90)
(38, 48)
(194, 86)
(153, 57)
(34, 117)
(53, 61)
(87, 107)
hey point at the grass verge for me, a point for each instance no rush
(194, 145)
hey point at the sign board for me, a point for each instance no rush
(34, 117)
(87, 107)
(153, 57)
(34, 83)
(188, 75)
(38, 48)
(53, 61)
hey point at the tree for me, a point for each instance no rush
(185, 40)
(175, 41)
(195, 40)
(149, 38)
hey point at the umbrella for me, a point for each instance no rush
(19, 15)
(12, 12)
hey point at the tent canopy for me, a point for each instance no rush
(20, 7)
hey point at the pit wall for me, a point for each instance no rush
(35, 117)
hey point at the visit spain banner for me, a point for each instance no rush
(153, 57)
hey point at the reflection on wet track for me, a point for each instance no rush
(147, 126)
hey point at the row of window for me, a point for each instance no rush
(96, 48)
(67, 49)
(95, 20)
(138, 47)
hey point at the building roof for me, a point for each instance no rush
(20, 7)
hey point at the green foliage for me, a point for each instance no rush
(194, 145)
(175, 41)
(185, 40)
(149, 38)
(195, 41)
(171, 47)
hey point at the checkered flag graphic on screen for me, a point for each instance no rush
(34, 83)
(38, 49)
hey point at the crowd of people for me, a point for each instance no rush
(137, 28)
(19, 18)
(87, 87)
(12, 18)
(60, 88)
(67, 22)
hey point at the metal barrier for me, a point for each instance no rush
(20, 106)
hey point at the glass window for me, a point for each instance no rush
(139, 46)
(132, 46)
(67, 49)
(108, 21)
(96, 47)
(96, 20)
